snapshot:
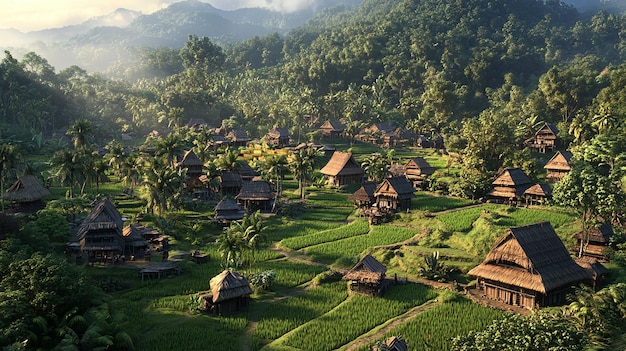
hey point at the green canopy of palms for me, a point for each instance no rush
(302, 162)
(9, 158)
(68, 168)
(162, 183)
(81, 133)
(228, 161)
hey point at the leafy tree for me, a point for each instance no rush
(81, 133)
(376, 166)
(162, 183)
(9, 157)
(302, 162)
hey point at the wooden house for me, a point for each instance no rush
(509, 186)
(332, 128)
(238, 137)
(392, 343)
(100, 234)
(545, 139)
(416, 170)
(423, 141)
(194, 166)
(230, 293)
(255, 196)
(342, 169)
(595, 243)
(537, 194)
(529, 266)
(598, 272)
(394, 194)
(364, 196)
(230, 182)
(246, 172)
(278, 137)
(218, 141)
(135, 244)
(367, 277)
(558, 166)
(228, 210)
(26, 194)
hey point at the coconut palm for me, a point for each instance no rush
(162, 183)
(67, 166)
(301, 163)
(230, 246)
(9, 158)
(81, 133)
(376, 166)
(228, 161)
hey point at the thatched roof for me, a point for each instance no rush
(333, 125)
(511, 177)
(227, 204)
(593, 266)
(246, 171)
(419, 166)
(278, 133)
(394, 343)
(367, 270)
(539, 190)
(380, 127)
(600, 234)
(395, 187)
(365, 193)
(104, 216)
(26, 189)
(189, 159)
(342, 164)
(548, 128)
(229, 285)
(230, 179)
(133, 236)
(259, 190)
(532, 257)
(560, 161)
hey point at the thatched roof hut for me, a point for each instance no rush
(26, 189)
(596, 242)
(529, 265)
(228, 210)
(558, 166)
(230, 182)
(255, 196)
(100, 234)
(342, 169)
(416, 170)
(278, 137)
(366, 276)
(394, 193)
(544, 139)
(230, 292)
(192, 163)
(509, 185)
(239, 137)
(332, 128)
(364, 196)
(393, 343)
(537, 194)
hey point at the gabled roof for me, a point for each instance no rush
(333, 125)
(548, 128)
(230, 178)
(539, 190)
(229, 285)
(600, 234)
(342, 163)
(511, 177)
(239, 135)
(560, 161)
(260, 190)
(365, 193)
(227, 204)
(278, 133)
(396, 187)
(532, 257)
(246, 171)
(368, 269)
(381, 127)
(189, 159)
(104, 216)
(26, 189)
(421, 164)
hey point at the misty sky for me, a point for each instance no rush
(29, 15)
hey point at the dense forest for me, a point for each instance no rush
(482, 74)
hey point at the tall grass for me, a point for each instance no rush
(358, 227)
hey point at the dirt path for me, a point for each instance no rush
(369, 338)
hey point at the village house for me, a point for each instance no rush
(394, 194)
(537, 194)
(100, 234)
(278, 137)
(332, 128)
(417, 170)
(529, 266)
(238, 137)
(509, 186)
(230, 182)
(342, 169)
(26, 194)
(228, 210)
(595, 243)
(558, 166)
(255, 196)
(194, 166)
(230, 293)
(545, 139)
(367, 277)
(364, 198)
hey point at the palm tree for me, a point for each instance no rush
(8, 160)
(162, 183)
(169, 147)
(115, 156)
(301, 163)
(81, 132)
(274, 168)
(228, 161)
(67, 168)
(230, 246)
(376, 166)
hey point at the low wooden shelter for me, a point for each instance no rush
(537, 194)
(416, 170)
(529, 266)
(27, 194)
(278, 137)
(367, 277)
(545, 139)
(230, 292)
(598, 272)
(509, 186)
(364, 196)
(558, 166)
(228, 210)
(255, 196)
(595, 243)
(393, 343)
(100, 234)
(246, 172)
(135, 245)
(342, 169)
(394, 194)
(332, 128)
(238, 137)
(194, 167)
(230, 182)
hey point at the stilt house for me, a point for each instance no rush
(194, 167)
(342, 169)
(278, 137)
(394, 194)
(529, 266)
(228, 210)
(255, 196)
(595, 243)
(332, 128)
(100, 234)
(367, 277)
(545, 139)
(558, 166)
(537, 194)
(364, 196)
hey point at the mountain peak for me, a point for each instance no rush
(121, 17)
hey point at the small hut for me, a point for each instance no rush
(529, 266)
(230, 292)
(393, 343)
(27, 194)
(100, 234)
(193, 165)
(332, 128)
(278, 137)
(246, 172)
(135, 245)
(227, 210)
(364, 196)
(509, 186)
(595, 243)
(230, 182)
(595, 268)
(394, 194)
(545, 139)
(238, 137)
(558, 166)
(255, 196)
(367, 277)
(537, 194)
(342, 169)
(417, 170)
